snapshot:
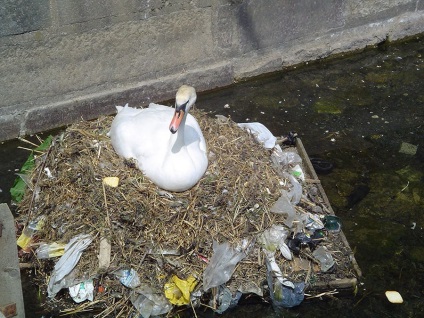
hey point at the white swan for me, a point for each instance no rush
(167, 143)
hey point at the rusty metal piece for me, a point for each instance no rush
(8, 310)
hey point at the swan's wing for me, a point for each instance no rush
(160, 107)
(193, 133)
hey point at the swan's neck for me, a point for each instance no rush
(177, 140)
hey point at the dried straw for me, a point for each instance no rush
(155, 232)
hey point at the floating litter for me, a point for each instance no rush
(394, 297)
(408, 148)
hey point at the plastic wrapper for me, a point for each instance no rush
(274, 238)
(82, 291)
(285, 158)
(128, 277)
(295, 193)
(149, 302)
(324, 257)
(226, 299)
(274, 269)
(283, 292)
(261, 133)
(284, 206)
(298, 172)
(313, 222)
(54, 249)
(66, 263)
(222, 264)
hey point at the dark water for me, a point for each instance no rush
(358, 112)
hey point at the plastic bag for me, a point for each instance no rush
(287, 297)
(222, 264)
(149, 302)
(128, 277)
(285, 158)
(298, 172)
(226, 299)
(284, 206)
(261, 133)
(295, 193)
(274, 238)
(312, 222)
(82, 291)
(178, 290)
(324, 257)
(284, 293)
(274, 270)
(67, 262)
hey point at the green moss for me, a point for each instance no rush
(417, 254)
(378, 78)
(326, 107)
(410, 174)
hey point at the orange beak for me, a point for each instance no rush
(176, 120)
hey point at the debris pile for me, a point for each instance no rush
(104, 238)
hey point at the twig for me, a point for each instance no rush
(194, 311)
(405, 187)
(30, 150)
(322, 294)
(46, 155)
(28, 142)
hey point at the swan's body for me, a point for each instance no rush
(172, 155)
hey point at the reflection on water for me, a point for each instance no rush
(357, 112)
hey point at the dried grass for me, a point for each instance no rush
(155, 232)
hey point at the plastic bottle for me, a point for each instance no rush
(25, 239)
(50, 250)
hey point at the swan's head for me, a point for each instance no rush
(184, 99)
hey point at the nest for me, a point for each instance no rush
(157, 233)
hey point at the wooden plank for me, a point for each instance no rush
(348, 283)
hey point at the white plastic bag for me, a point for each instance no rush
(128, 277)
(261, 133)
(82, 291)
(67, 262)
(222, 264)
(285, 158)
(273, 239)
(284, 206)
(295, 193)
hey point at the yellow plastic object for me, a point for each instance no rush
(25, 239)
(111, 181)
(178, 291)
(50, 250)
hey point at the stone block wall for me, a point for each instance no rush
(62, 60)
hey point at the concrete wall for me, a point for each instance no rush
(61, 60)
(11, 297)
